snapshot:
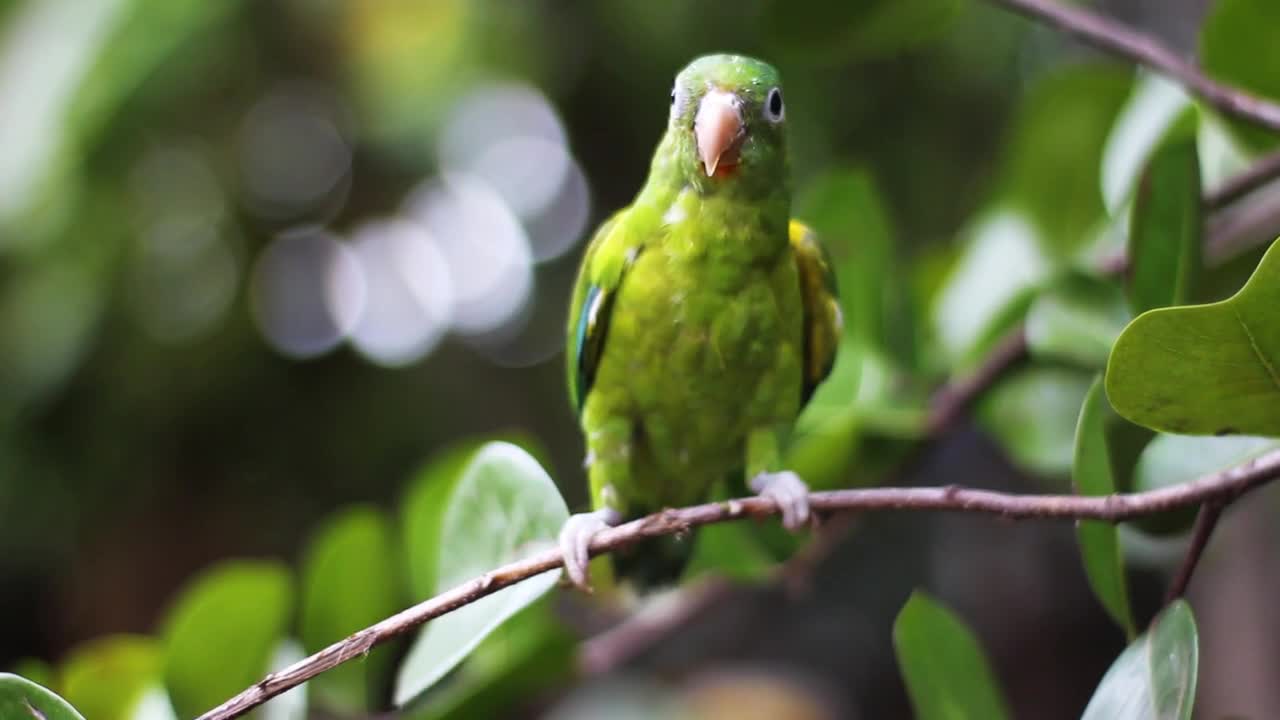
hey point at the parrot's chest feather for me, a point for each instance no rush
(705, 343)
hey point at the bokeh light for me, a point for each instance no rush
(485, 247)
(294, 158)
(409, 297)
(307, 292)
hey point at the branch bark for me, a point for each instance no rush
(1117, 39)
(1219, 488)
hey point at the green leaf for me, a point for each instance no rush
(1205, 369)
(990, 285)
(1166, 228)
(1033, 412)
(1076, 320)
(421, 515)
(21, 699)
(1155, 677)
(1176, 459)
(529, 652)
(1099, 543)
(503, 506)
(946, 672)
(1238, 47)
(1152, 108)
(820, 31)
(350, 581)
(108, 677)
(220, 634)
(1051, 170)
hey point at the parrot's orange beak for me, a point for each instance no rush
(718, 130)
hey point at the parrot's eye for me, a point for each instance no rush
(773, 106)
(673, 96)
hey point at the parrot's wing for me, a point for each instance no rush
(610, 252)
(822, 317)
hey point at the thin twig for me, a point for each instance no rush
(1206, 521)
(1117, 39)
(1221, 487)
(955, 398)
(1262, 172)
(612, 648)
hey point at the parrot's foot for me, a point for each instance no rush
(575, 540)
(789, 492)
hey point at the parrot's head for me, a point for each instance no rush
(727, 124)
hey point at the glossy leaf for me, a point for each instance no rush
(1033, 414)
(1076, 320)
(946, 672)
(108, 677)
(1166, 227)
(1175, 459)
(22, 699)
(1155, 677)
(1205, 369)
(1238, 47)
(525, 655)
(350, 580)
(502, 507)
(1099, 543)
(220, 634)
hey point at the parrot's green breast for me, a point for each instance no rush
(704, 343)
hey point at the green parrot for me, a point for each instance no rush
(703, 317)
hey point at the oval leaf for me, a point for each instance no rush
(109, 677)
(221, 633)
(1076, 320)
(1205, 369)
(1032, 413)
(21, 699)
(1099, 545)
(349, 581)
(1155, 677)
(1165, 247)
(502, 507)
(946, 672)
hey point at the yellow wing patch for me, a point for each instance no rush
(823, 320)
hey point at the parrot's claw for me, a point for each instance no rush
(575, 541)
(789, 492)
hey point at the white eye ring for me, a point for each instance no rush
(773, 108)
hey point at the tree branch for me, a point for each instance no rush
(1206, 521)
(1119, 40)
(1263, 171)
(1219, 488)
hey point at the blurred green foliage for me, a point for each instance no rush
(969, 174)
